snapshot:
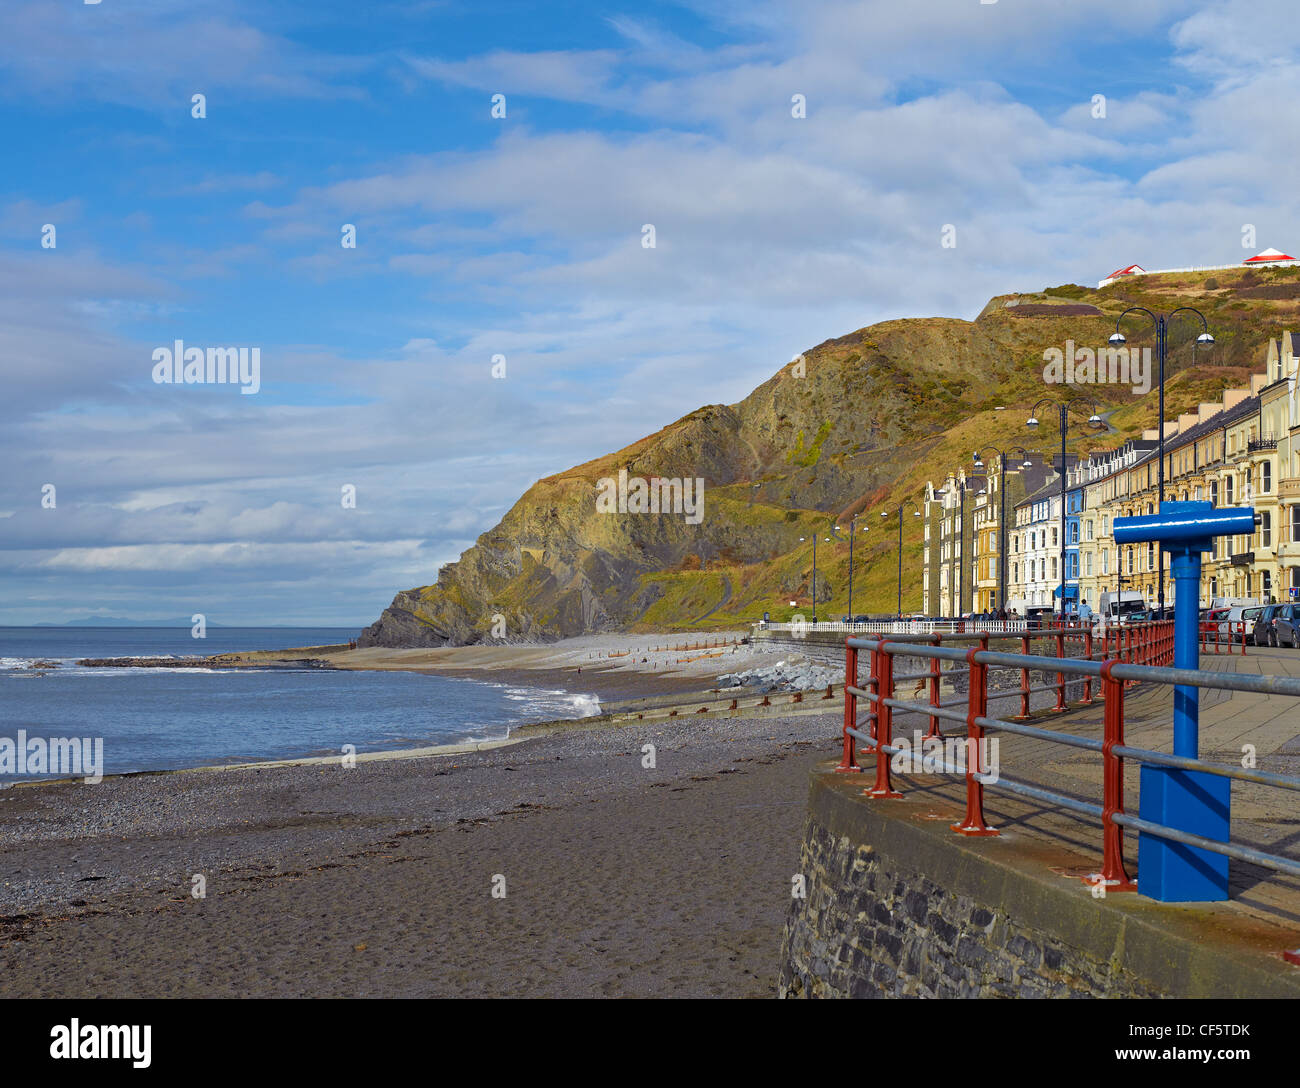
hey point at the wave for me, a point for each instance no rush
(540, 704)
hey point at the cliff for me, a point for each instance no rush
(857, 425)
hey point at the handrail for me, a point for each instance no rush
(1140, 653)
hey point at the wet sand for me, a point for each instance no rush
(377, 880)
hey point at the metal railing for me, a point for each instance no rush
(1214, 635)
(908, 626)
(1135, 655)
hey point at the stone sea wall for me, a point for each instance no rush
(898, 906)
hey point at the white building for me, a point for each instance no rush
(1270, 258)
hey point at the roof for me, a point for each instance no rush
(1267, 255)
(1129, 271)
(1049, 490)
(1216, 422)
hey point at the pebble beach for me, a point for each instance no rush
(576, 859)
(613, 879)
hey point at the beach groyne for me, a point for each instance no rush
(896, 905)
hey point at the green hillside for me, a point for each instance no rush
(874, 415)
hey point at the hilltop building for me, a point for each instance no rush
(1271, 258)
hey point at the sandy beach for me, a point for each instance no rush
(377, 880)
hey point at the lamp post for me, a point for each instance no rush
(1161, 323)
(1002, 511)
(852, 530)
(1063, 407)
(916, 513)
(814, 572)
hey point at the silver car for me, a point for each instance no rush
(1231, 619)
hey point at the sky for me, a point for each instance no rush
(380, 442)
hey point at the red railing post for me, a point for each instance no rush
(873, 682)
(884, 723)
(1024, 680)
(934, 688)
(1087, 652)
(977, 704)
(848, 763)
(1060, 676)
(1113, 876)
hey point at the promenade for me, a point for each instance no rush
(1263, 914)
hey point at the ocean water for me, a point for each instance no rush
(166, 718)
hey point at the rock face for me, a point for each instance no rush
(857, 423)
(792, 674)
(402, 625)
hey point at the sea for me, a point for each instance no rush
(169, 718)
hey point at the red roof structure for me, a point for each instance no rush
(1131, 270)
(1267, 256)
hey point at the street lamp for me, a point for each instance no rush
(1161, 322)
(1064, 406)
(852, 530)
(1002, 512)
(814, 572)
(916, 514)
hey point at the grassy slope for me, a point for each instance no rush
(880, 412)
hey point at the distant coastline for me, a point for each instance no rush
(96, 622)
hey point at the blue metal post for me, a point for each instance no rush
(1185, 567)
(1193, 801)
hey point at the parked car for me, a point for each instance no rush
(1211, 618)
(1264, 633)
(1230, 623)
(1286, 626)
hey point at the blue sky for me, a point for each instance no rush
(521, 236)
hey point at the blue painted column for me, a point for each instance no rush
(1192, 801)
(1186, 570)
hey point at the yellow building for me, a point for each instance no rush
(1242, 450)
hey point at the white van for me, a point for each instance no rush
(1115, 605)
